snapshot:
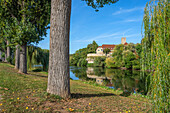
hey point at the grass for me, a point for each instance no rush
(27, 93)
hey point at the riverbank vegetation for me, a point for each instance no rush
(127, 56)
(29, 94)
(79, 57)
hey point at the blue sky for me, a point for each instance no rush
(108, 26)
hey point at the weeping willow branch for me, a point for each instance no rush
(155, 52)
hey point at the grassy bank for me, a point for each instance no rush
(27, 93)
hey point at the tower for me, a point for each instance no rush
(123, 40)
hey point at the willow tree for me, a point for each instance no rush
(156, 52)
(36, 55)
(30, 20)
(58, 73)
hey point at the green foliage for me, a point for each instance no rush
(124, 56)
(36, 55)
(10, 59)
(156, 52)
(79, 57)
(106, 50)
(25, 21)
(91, 48)
(82, 62)
(110, 62)
(136, 64)
(3, 55)
(90, 65)
(96, 4)
(99, 61)
(129, 57)
(138, 48)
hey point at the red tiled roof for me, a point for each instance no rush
(125, 43)
(111, 47)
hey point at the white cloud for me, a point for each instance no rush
(133, 20)
(128, 20)
(128, 10)
(90, 39)
(103, 36)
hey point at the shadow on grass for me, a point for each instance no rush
(37, 70)
(38, 75)
(125, 94)
(78, 95)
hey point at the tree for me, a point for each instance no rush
(17, 57)
(106, 51)
(129, 57)
(91, 48)
(58, 76)
(99, 61)
(28, 20)
(156, 52)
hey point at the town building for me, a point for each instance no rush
(100, 50)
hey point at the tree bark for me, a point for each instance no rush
(17, 57)
(0, 55)
(58, 74)
(23, 59)
(8, 50)
(5, 56)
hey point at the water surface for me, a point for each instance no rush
(125, 80)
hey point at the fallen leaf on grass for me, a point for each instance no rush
(6, 88)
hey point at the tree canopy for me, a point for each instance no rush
(96, 4)
(26, 20)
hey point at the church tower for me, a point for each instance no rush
(123, 40)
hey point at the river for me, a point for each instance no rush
(126, 80)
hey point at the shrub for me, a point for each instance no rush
(136, 64)
(90, 65)
(110, 62)
(99, 61)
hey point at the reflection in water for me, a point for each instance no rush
(126, 80)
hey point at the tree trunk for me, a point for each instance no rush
(58, 74)
(23, 59)
(5, 56)
(8, 50)
(0, 55)
(17, 57)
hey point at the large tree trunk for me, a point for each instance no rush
(8, 50)
(58, 74)
(23, 59)
(17, 57)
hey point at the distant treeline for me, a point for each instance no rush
(80, 56)
(123, 56)
(35, 56)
